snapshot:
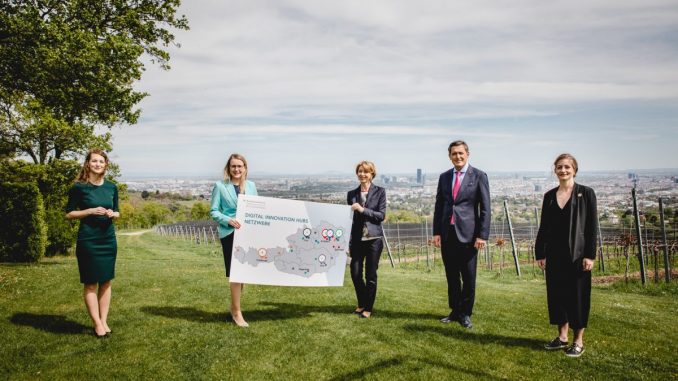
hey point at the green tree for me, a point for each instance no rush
(403, 216)
(128, 216)
(155, 213)
(68, 66)
(200, 211)
(67, 69)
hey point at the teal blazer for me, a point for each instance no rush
(224, 203)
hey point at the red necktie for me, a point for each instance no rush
(455, 190)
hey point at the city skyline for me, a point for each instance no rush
(428, 176)
(315, 87)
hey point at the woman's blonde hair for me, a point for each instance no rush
(83, 176)
(367, 166)
(227, 172)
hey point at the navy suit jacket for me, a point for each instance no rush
(471, 208)
(372, 216)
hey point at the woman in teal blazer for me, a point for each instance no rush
(223, 206)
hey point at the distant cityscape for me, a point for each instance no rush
(416, 192)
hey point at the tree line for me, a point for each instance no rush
(67, 70)
(137, 211)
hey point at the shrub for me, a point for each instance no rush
(53, 181)
(23, 237)
(200, 211)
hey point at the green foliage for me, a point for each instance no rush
(404, 216)
(146, 214)
(155, 213)
(23, 236)
(164, 196)
(128, 215)
(68, 66)
(159, 208)
(53, 180)
(200, 211)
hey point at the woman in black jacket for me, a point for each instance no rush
(566, 248)
(368, 203)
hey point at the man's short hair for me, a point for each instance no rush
(455, 144)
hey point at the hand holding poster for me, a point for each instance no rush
(290, 243)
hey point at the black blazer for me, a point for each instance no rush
(374, 214)
(583, 223)
(471, 208)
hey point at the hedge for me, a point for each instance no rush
(23, 236)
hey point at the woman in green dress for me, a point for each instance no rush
(94, 201)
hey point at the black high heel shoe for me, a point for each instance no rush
(104, 336)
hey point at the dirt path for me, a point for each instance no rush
(140, 232)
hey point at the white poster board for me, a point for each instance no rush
(290, 243)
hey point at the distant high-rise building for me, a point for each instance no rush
(420, 180)
(537, 188)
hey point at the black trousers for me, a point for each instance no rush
(365, 254)
(568, 290)
(460, 260)
(226, 249)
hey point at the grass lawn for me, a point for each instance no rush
(170, 321)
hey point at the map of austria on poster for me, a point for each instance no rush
(290, 243)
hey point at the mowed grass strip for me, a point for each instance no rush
(170, 321)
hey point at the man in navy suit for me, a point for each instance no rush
(461, 226)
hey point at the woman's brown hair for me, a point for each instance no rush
(567, 156)
(83, 176)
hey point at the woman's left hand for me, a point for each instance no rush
(357, 207)
(587, 264)
(111, 214)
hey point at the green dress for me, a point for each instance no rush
(97, 248)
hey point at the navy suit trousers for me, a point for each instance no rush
(460, 260)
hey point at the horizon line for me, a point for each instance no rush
(340, 173)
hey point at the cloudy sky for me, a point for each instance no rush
(309, 86)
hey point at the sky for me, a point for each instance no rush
(315, 86)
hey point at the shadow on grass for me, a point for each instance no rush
(50, 323)
(195, 315)
(279, 311)
(479, 338)
(411, 364)
(300, 310)
(32, 264)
